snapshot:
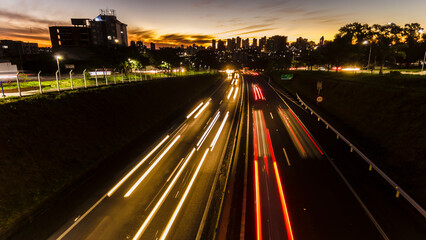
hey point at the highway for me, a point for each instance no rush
(298, 187)
(163, 194)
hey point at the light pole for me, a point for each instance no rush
(369, 55)
(57, 62)
(424, 57)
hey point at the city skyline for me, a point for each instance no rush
(197, 22)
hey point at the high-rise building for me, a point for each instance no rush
(221, 45)
(254, 44)
(238, 46)
(276, 44)
(104, 30)
(213, 44)
(152, 46)
(246, 43)
(262, 43)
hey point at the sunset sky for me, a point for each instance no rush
(198, 21)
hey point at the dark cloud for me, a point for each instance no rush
(19, 17)
(256, 31)
(141, 34)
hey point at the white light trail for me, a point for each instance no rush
(230, 92)
(172, 219)
(136, 167)
(150, 168)
(160, 202)
(219, 131)
(202, 109)
(189, 115)
(206, 133)
(235, 94)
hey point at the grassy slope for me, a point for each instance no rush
(383, 115)
(49, 140)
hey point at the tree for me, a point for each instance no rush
(386, 40)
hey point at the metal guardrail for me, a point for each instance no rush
(399, 190)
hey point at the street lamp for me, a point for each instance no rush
(424, 57)
(57, 62)
(369, 55)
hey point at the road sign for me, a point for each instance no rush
(320, 99)
(286, 76)
(69, 66)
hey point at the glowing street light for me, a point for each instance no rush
(369, 55)
(57, 62)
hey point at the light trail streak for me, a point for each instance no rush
(292, 132)
(202, 109)
(135, 168)
(219, 131)
(233, 80)
(189, 115)
(254, 92)
(230, 92)
(280, 189)
(172, 219)
(150, 168)
(306, 131)
(207, 132)
(283, 203)
(256, 182)
(235, 94)
(258, 213)
(236, 81)
(165, 194)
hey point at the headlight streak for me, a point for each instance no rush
(293, 134)
(172, 219)
(256, 182)
(135, 168)
(150, 168)
(219, 131)
(230, 92)
(292, 113)
(235, 94)
(233, 80)
(202, 109)
(236, 81)
(206, 133)
(161, 200)
(189, 115)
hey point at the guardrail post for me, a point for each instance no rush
(57, 80)
(96, 77)
(84, 77)
(106, 77)
(326, 126)
(312, 113)
(370, 168)
(19, 86)
(352, 149)
(397, 192)
(319, 119)
(337, 136)
(39, 82)
(2, 90)
(72, 86)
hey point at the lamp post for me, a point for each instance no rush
(57, 62)
(369, 55)
(424, 57)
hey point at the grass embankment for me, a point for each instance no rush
(49, 140)
(382, 114)
(11, 86)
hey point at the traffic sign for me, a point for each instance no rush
(320, 99)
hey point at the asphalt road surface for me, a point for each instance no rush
(164, 192)
(301, 182)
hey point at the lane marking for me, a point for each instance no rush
(286, 157)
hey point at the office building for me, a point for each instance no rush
(9, 48)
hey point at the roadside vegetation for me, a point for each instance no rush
(50, 140)
(383, 115)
